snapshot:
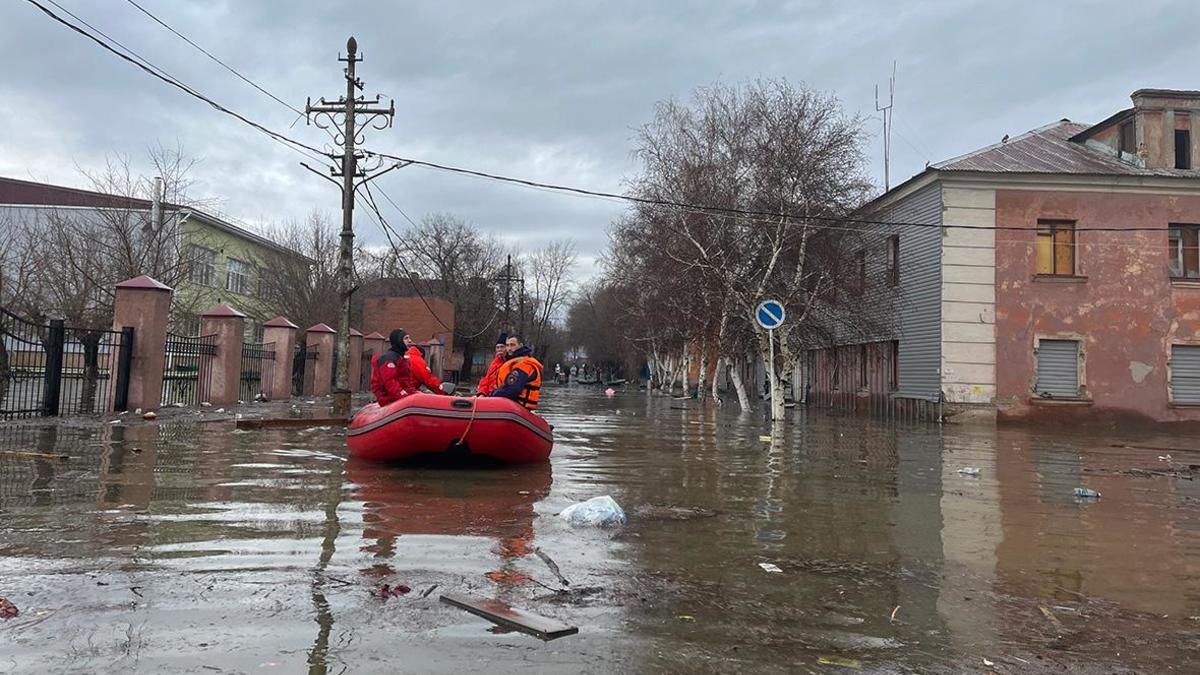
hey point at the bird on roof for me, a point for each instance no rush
(1005, 139)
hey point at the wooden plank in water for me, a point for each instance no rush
(509, 617)
(292, 423)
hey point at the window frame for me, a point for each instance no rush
(893, 260)
(246, 284)
(1176, 252)
(1183, 151)
(209, 265)
(1053, 226)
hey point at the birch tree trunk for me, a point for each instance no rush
(739, 384)
(702, 380)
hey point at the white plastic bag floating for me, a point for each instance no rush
(596, 512)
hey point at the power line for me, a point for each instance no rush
(160, 74)
(224, 65)
(388, 231)
(825, 222)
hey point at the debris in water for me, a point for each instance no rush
(150, 415)
(969, 471)
(205, 404)
(389, 591)
(770, 567)
(597, 511)
(428, 591)
(220, 410)
(987, 663)
(610, 392)
(510, 617)
(502, 577)
(39, 455)
(7, 609)
(839, 661)
(765, 439)
(686, 617)
(552, 565)
(1086, 493)
(892, 618)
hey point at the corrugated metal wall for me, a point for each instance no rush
(1185, 374)
(920, 305)
(1058, 368)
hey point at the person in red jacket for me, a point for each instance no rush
(391, 376)
(488, 384)
(420, 369)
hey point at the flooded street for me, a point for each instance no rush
(179, 546)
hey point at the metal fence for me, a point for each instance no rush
(301, 359)
(187, 372)
(52, 368)
(258, 370)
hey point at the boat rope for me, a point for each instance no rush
(463, 438)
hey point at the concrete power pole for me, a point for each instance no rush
(324, 115)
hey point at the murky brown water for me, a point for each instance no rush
(182, 547)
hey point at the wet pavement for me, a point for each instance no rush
(187, 546)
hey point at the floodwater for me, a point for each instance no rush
(178, 546)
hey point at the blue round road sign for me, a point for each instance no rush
(770, 314)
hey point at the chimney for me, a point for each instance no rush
(1167, 128)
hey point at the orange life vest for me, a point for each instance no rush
(530, 366)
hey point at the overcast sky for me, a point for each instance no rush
(553, 90)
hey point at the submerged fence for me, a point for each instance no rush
(258, 370)
(187, 371)
(52, 368)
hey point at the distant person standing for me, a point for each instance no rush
(500, 354)
(520, 378)
(391, 376)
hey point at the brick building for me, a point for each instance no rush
(1054, 274)
(425, 320)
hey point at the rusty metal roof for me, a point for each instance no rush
(1048, 150)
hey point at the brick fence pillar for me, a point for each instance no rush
(225, 373)
(318, 375)
(356, 350)
(143, 304)
(282, 333)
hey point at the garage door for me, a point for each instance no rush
(1185, 374)
(1058, 368)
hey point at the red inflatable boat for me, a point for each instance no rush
(432, 425)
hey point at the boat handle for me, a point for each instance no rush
(462, 403)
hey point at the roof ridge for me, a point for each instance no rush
(994, 146)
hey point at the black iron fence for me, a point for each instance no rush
(258, 370)
(55, 369)
(302, 359)
(187, 371)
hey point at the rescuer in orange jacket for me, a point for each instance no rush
(391, 376)
(520, 378)
(420, 369)
(488, 384)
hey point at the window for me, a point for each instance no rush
(893, 260)
(1128, 140)
(204, 266)
(1057, 369)
(1185, 374)
(894, 375)
(1056, 248)
(239, 277)
(1182, 251)
(862, 366)
(1183, 149)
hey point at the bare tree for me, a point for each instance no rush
(302, 284)
(449, 257)
(550, 284)
(784, 165)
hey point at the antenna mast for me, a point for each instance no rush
(887, 127)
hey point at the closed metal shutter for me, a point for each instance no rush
(1185, 374)
(1058, 368)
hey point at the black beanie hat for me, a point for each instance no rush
(502, 339)
(397, 339)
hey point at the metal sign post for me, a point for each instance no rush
(770, 315)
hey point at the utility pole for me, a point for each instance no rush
(348, 136)
(508, 278)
